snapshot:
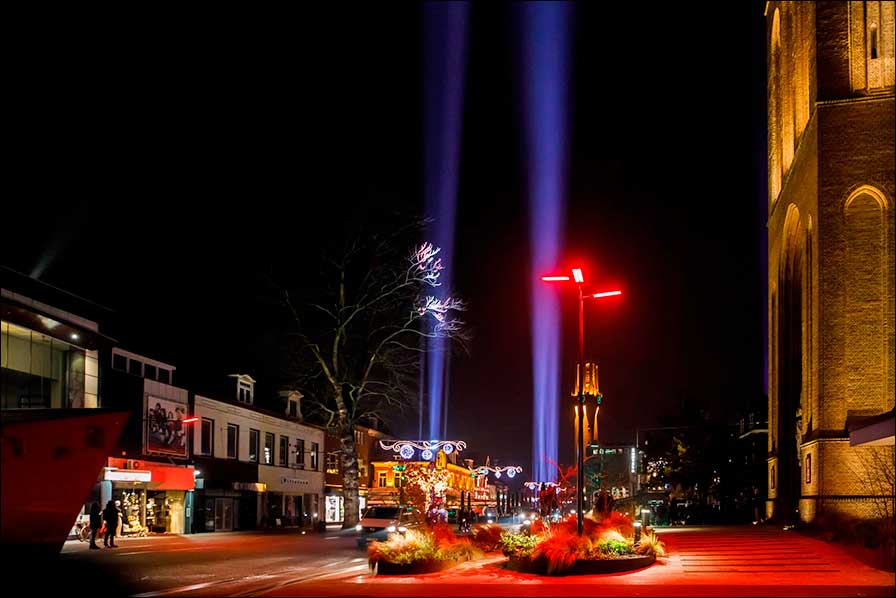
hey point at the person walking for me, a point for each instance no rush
(110, 516)
(120, 529)
(96, 521)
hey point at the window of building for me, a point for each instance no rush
(873, 41)
(300, 453)
(233, 441)
(135, 367)
(207, 441)
(381, 479)
(149, 371)
(293, 408)
(315, 450)
(244, 392)
(809, 468)
(119, 362)
(254, 437)
(164, 376)
(268, 448)
(284, 447)
(332, 462)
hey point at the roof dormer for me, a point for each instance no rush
(245, 388)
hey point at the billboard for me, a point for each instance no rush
(165, 430)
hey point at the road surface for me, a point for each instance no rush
(729, 561)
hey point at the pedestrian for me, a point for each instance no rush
(120, 528)
(110, 516)
(96, 521)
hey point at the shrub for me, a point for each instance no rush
(518, 544)
(613, 547)
(412, 546)
(487, 537)
(650, 544)
(461, 550)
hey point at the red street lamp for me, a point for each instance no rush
(580, 466)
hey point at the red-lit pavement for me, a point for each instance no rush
(733, 561)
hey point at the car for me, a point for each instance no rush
(379, 521)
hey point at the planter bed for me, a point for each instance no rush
(415, 568)
(583, 567)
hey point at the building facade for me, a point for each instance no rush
(831, 238)
(149, 471)
(366, 439)
(56, 435)
(256, 468)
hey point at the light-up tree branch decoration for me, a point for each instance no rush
(357, 337)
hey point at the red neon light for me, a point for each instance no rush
(607, 294)
(553, 278)
(190, 420)
(577, 274)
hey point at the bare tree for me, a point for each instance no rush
(356, 345)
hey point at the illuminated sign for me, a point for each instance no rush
(250, 486)
(293, 481)
(127, 475)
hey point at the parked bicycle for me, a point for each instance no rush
(82, 530)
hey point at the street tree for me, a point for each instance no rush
(355, 344)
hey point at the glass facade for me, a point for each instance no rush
(39, 371)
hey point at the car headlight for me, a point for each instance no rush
(402, 529)
(359, 527)
(491, 520)
(390, 529)
(527, 522)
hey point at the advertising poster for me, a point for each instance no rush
(165, 430)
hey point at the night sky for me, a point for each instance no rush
(159, 164)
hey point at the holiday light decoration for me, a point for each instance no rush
(510, 470)
(405, 448)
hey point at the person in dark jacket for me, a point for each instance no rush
(110, 516)
(96, 521)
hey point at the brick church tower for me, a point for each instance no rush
(831, 253)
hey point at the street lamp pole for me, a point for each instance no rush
(580, 411)
(579, 279)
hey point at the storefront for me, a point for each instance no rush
(293, 497)
(153, 497)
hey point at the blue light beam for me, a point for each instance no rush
(445, 30)
(545, 76)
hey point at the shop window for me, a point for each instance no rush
(149, 371)
(381, 479)
(164, 376)
(315, 450)
(254, 436)
(284, 447)
(300, 453)
(268, 448)
(233, 440)
(119, 362)
(208, 434)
